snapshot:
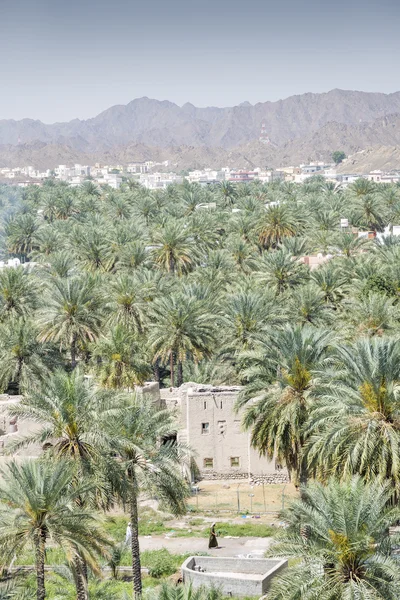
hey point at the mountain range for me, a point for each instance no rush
(301, 128)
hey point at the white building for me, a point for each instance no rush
(155, 181)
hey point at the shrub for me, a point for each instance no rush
(161, 563)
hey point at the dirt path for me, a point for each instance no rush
(228, 546)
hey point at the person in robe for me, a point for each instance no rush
(213, 542)
(128, 535)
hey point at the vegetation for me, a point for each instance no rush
(340, 533)
(211, 285)
(338, 156)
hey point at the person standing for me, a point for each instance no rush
(128, 535)
(213, 542)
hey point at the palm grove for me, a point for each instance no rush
(205, 285)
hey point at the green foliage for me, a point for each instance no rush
(339, 536)
(150, 523)
(155, 558)
(213, 285)
(380, 284)
(160, 563)
(338, 156)
(169, 591)
(243, 530)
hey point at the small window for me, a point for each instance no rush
(220, 404)
(208, 463)
(235, 461)
(205, 404)
(205, 428)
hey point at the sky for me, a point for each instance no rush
(69, 59)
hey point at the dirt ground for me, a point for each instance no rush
(241, 498)
(227, 546)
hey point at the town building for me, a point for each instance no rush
(155, 181)
(211, 426)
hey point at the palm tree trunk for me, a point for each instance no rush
(172, 369)
(73, 352)
(156, 370)
(80, 581)
(39, 561)
(19, 373)
(302, 474)
(136, 568)
(180, 373)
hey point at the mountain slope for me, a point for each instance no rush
(381, 133)
(384, 158)
(164, 124)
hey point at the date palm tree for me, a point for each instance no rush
(338, 535)
(93, 248)
(133, 255)
(18, 293)
(147, 465)
(308, 306)
(191, 198)
(24, 360)
(174, 252)
(277, 224)
(282, 378)
(119, 360)
(20, 231)
(69, 410)
(368, 212)
(48, 241)
(360, 188)
(355, 425)
(180, 328)
(228, 193)
(127, 303)
(349, 245)
(372, 314)
(332, 282)
(280, 271)
(73, 314)
(242, 253)
(38, 506)
(246, 315)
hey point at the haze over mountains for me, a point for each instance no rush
(301, 128)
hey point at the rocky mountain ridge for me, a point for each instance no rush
(375, 136)
(165, 124)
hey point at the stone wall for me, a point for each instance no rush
(278, 477)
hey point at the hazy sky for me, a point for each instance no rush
(75, 58)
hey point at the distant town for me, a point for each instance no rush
(153, 175)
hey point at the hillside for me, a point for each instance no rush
(164, 124)
(377, 135)
(384, 158)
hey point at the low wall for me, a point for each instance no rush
(234, 576)
(277, 477)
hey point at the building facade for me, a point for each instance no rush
(211, 426)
